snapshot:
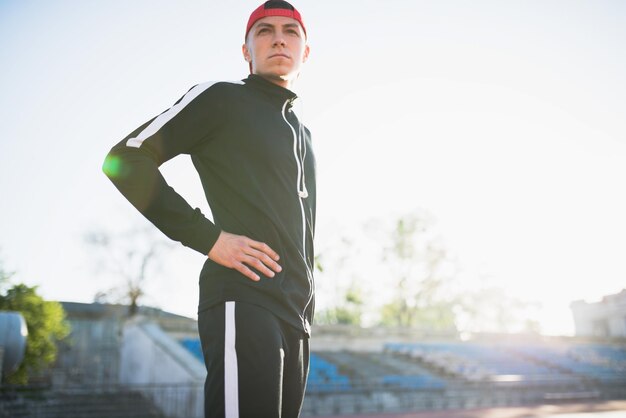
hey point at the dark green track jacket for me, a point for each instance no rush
(257, 169)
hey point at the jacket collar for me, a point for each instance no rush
(276, 94)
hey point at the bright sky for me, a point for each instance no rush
(504, 119)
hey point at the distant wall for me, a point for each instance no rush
(91, 355)
(354, 338)
(149, 356)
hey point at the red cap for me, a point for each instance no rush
(274, 8)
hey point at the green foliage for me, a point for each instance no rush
(403, 276)
(422, 275)
(46, 325)
(5, 276)
(337, 315)
(348, 313)
(436, 316)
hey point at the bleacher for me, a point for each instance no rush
(332, 372)
(382, 370)
(609, 356)
(194, 346)
(602, 363)
(413, 382)
(435, 365)
(325, 377)
(493, 363)
(352, 371)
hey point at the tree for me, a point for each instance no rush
(421, 273)
(5, 277)
(489, 308)
(394, 267)
(133, 257)
(338, 281)
(401, 271)
(46, 325)
(348, 313)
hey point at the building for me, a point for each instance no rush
(605, 319)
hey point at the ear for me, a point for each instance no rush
(306, 53)
(246, 53)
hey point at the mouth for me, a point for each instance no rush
(280, 56)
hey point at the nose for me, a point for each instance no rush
(279, 40)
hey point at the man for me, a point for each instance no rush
(257, 169)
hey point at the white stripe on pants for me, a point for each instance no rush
(231, 385)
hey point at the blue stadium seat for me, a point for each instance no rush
(193, 345)
(325, 377)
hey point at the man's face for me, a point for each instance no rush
(276, 47)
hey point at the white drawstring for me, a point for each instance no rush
(302, 144)
(299, 153)
(299, 150)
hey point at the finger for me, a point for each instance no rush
(265, 259)
(263, 247)
(257, 264)
(243, 269)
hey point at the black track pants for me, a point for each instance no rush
(257, 365)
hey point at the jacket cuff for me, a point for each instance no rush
(204, 236)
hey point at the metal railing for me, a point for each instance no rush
(102, 401)
(186, 401)
(367, 399)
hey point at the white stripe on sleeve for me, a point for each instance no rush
(166, 116)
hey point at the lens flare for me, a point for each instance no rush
(112, 166)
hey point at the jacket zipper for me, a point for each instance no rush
(302, 194)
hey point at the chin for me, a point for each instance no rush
(279, 75)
